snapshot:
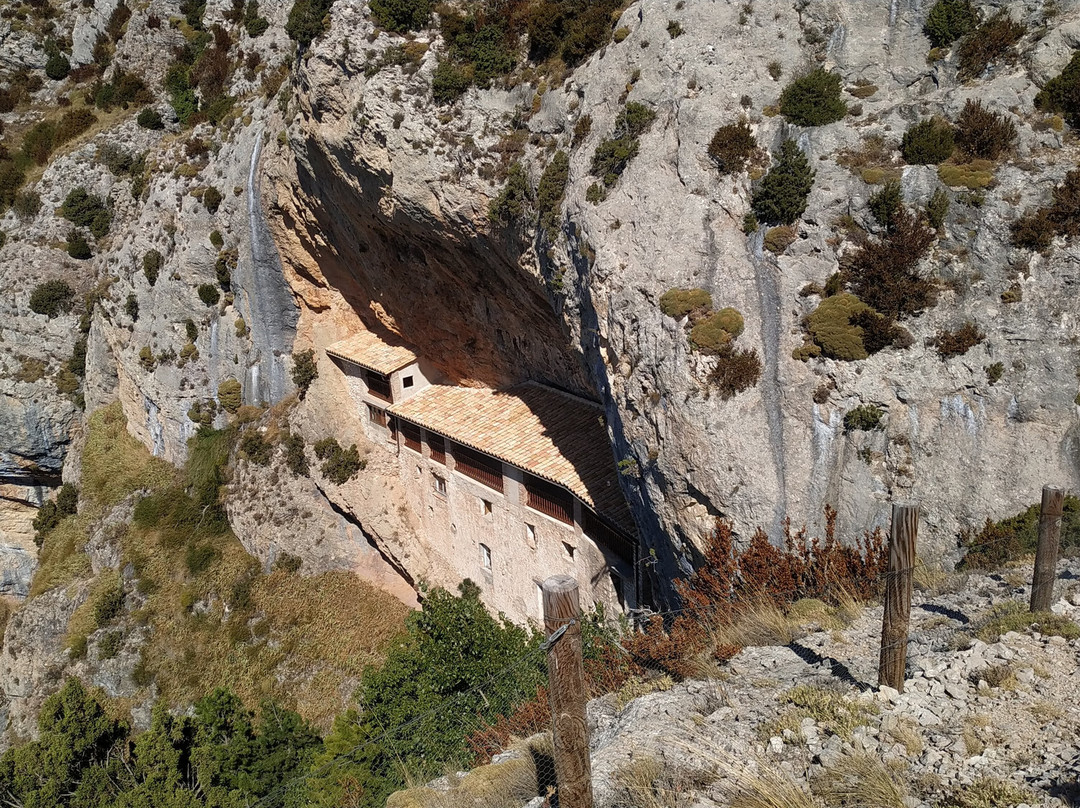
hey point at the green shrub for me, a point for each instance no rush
(295, 458)
(255, 447)
(209, 294)
(991, 41)
(131, 306)
(108, 646)
(52, 512)
(307, 20)
(152, 261)
(448, 82)
(73, 123)
(200, 557)
(814, 99)
(781, 196)
(570, 29)
(1033, 231)
(190, 330)
(150, 118)
(52, 298)
(324, 447)
(108, 603)
(937, 209)
(1062, 93)
(958, 342)
(57, 67)
(994, 373)
(212, 199)
(84, 209)
(514, 201)
(1016, 536)
(731, 320)
(39, 142)
(304, 371)
(833, 330)
(984, 134)
(288, 562)
(778, 239)
(26, 204)
(884, 274)
(216, 239)
(552, 188)
(223, 268)
(709, 335)
(864, 418)
(736, 370)
(229, 394)
(341, 465)
(401, 16)
(886, 204)
(678, 303)
(77, 246)
(615, 152)
(948, 21)
(732, 147)
(928, 142)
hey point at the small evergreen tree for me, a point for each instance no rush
(781, 197)
(304, 371)
(58, 67)
(813, 99)
(928, 142)
(949, 20)
(401, 16)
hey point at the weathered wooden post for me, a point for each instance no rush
(1046, 556)
(566, 686)
(894, 625)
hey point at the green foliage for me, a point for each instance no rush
(198, 558)
(515, 199)
(984, 134)
(341, 465)
(709, 335)
(109, 644)
(570, 29)
(212, 199)
(84, 209)
(124, 90)
(12, 176)
(57, 67)
(864, 418)
(731, 320)
(52, 512)
(131, 306)
(814, 99)
(52, 298)
(995, 372)
(732, 147)
(1011, 615)
(937, 209)
(991, 41)
(307, 20)
(615, 152)
(255, 24)
(451, 662)
(948, 21)
(833, 330)
(108, 603)
(150, 118)
(552, 188)
(883, 272)
(255, 447)
(781, 196)
(1062, 93)
(401, 16)
(224, 266)
(217, 239)
(304, 371)
(26, 204)
(77, 246)
(229, 394)
(209, 294)
(448, 82)
(928, 142)
(678, 303)
(1017, 536)
(190, 330)
(152, 262)
(482, 44)
(736, 370)
(295, 458)
(958, 342)
(886, 203)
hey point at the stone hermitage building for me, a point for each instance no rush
(511, 486)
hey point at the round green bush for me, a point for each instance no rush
(949, 20)
(229, 395)
(709, 336)
(678, 303)
(814, 99)
(150, 118)
(732, 147)
(58, 67)
(831, 327)
(51, 298)
(730, 320)
(781, 197)
(209, 294)
(929, 142)
(212, 199)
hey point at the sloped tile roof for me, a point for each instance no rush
(554, 435)
(372, 352)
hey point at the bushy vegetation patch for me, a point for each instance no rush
(514, 201)
(571, 30)
(1062, 93)
(295, 457)
(833, 328)
(677, 303)
(1012, 615)
(1016, 536)
(209, 294)
(958, 342)
(304, 371)
(992, 41)
(733, 147)
(150, 118)
(937, 208)
(886, 204)
(84, 209)
(781, 196)
(928, 142)
(981, 133)
(949, 20)
(736, 370)
(864, 418)
(52, 298)
(883, 272)
(552, 188)
(1036, 229)
(255, 447)
(401, 16)
(709, 336)
(51, 512)
(615, 152)
(814, 99)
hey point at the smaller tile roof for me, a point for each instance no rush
(554, 435)
(373, 352)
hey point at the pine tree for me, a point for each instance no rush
(781, 197)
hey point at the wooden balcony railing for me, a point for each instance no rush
(483, 469)
(550, 499)
(410, 434)
(437, 447)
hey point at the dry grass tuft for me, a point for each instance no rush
(768, 788)
(906, 732)
(860, 781)
(832, 710)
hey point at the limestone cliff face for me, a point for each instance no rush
(388, 208)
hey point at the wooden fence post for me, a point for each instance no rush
(894, 625)
(1046, 556)
(566, 687)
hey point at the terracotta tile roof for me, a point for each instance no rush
(372, 352)
(548, 433)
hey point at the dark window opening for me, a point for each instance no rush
(410, 433)
(439, 484)
(376, 416)
(378, 385)
(437, 446)
(620, 592)
(548, 498)
(406, 381)
(606, 536)
(483, 469)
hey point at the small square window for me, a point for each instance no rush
(485, 507)
(530, 535)
(485, 557)
(439, 484)
(406, 381)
